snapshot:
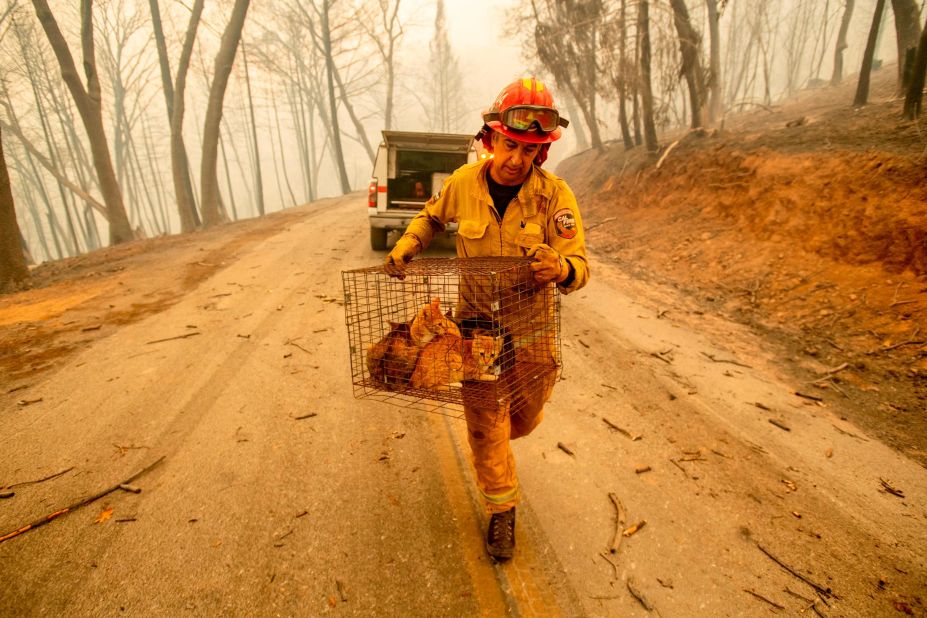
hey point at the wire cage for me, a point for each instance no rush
(454, 333)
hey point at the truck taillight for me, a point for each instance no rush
(372, 193)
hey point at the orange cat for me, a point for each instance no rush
(391, 360)
(429, 323)
(448, 360)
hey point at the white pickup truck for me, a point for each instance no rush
(408, 170)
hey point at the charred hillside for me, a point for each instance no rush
(807, 221)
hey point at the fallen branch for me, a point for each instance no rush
(666, 153)
(779, 424)
(660, 355)
(293, 343)
(764, 599)
(911, 341)
(193, 334)
(606, 559)
(820, 589)
(620, 516)
(563, 447)
(632, 588)
(633, 437)
(892, 490)
(77, 505)
(712, 358)
(47, 478)
(811, 397)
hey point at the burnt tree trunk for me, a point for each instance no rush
(862, 88)
(209, 178)
(908, 31)
(915, 94)
(13, 268)
(714, 61)
(689, 42)
(837, 75)
(643, 28)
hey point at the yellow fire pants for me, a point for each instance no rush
(491, 427)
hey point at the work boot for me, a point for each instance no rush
(500, 538)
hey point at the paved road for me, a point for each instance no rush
(260, 509)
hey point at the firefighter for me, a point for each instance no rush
(507, 205)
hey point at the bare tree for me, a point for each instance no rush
(915, 95)
(13, 268)
(714, 61)
(689, 44)
(89, 105)
(174, 98)
(837, 75)
(386, 31)
(908, 31)
(258, 178)
(225, 57)
(566, 38)
(862, 87)
(444, 109)
(643, 31)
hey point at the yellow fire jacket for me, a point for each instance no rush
(544, 211)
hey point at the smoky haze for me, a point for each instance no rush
(313, 83)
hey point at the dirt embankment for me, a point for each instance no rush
(808, 222)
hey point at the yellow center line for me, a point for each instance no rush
(510, 588)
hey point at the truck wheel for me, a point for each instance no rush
(378, 238)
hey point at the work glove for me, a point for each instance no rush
(406, 248)
(548, 265)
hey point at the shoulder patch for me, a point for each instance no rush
(565, 222)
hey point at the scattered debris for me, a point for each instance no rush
(6, 494)
(779, 424)
(634, 529)
(583, 343)
(42, 480)
(132, 489)
(88, 329)
(663, 356)
(125, 520)
(633, 437)
(193, 334)
(666, 583)
(25, 386)
(764, 599)
(563, 447)
(820, 589)
(341, 591)
(806, 396)
(789, 484)
(715, 359)
(620, 520)
(636, 593)
(77, 505)
(293, 343)
(890, 489)
(641, 469)
(27, 402)
(104, 516)
(608, 560)
(305, 416)
(847, 433)
(762, 406)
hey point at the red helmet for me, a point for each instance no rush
(525, 111)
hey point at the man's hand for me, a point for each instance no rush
(548, 265)
(407, 247)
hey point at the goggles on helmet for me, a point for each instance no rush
(527, 117)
